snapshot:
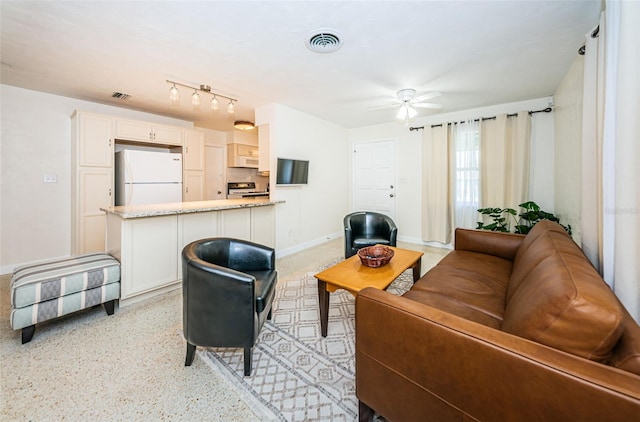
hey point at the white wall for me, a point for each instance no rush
(568, 148)
(314, 212)
(35, 137)
(409, 147)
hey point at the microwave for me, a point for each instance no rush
(244, 161)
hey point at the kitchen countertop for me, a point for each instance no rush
(173, 208)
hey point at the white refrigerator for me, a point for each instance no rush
(148, 177)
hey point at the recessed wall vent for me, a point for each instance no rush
(120, 95)
(324, 40)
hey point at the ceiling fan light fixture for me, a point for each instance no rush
(243, 125)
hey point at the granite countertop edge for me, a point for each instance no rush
(176, 208)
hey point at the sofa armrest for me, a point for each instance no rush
(502, 245)
(414, 362)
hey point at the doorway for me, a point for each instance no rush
(214, 179)
(374, 177)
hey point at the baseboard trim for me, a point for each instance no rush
(302, 246)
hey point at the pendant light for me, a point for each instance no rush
(174, 94)
(214, 104)
(231, 108)
(195, 98)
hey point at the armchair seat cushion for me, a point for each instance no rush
(361, 242)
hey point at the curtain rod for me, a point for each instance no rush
(545, 110)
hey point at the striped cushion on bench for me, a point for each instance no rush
(57, 287)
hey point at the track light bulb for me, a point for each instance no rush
(174, 94)
(231, 108)
(214, 104)
(195, 98)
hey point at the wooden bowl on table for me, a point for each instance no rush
(375, 256)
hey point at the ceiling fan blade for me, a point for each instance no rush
(428, 105)
(426, 96)
(380, 107)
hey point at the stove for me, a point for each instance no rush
(244, 190)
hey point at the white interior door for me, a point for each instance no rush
(215, 165)
(374, 171)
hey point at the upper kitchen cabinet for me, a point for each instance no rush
(193, 150)
(93, 143)
(133, 130)
(242, 149)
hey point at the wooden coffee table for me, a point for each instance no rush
(352, 276)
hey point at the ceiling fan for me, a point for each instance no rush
(408, 102)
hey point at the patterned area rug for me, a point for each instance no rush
(297, 374)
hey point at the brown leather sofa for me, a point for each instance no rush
(506, 327)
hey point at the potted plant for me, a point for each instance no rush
(502, 218)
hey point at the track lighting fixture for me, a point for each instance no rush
(174, 96)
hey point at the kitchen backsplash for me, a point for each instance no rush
(235, 174)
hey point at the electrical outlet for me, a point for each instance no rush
(50, 178)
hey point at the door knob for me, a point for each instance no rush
(219, 192)
(391, 187)
(390, 195)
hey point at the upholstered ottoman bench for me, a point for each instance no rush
(51, 289)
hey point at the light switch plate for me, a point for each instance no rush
(50, 178)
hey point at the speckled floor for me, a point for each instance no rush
(129, 366)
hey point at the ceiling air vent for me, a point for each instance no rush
(324, 40)
(120, 95)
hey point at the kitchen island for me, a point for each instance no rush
(148, 239)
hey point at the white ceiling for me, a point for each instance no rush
(477, 53)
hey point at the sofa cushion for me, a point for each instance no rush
(557, 298)
(470, 285)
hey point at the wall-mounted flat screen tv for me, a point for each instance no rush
(292, 172)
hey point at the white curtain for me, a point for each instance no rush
(468, 165)
(466, 173)
(621, 153)
(436, 205)
(504, 162)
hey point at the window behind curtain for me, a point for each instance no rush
(467, 174)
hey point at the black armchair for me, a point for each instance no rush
(365, 228)
(228, 286)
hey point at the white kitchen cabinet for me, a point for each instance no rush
(146, 249)
(263, 226)
(94, 143)
(193, 227)
(236, 223)
(193, 176)
(91, 180)
(193, 150)
(241, 155)
(139, 131)
(192, 185)
(95, 190)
